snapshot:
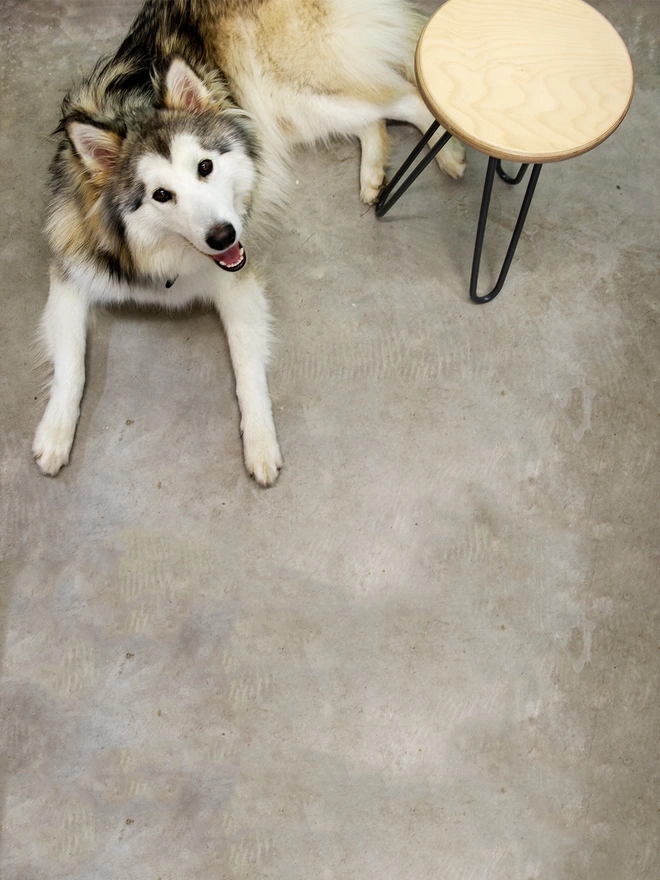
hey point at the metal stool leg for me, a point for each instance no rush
(384, 201)
(513, 181)
(481, 229)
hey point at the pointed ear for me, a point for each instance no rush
(184, 90)
(97, 147)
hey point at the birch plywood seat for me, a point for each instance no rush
(532, 81)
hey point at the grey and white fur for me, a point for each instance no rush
(174, 155)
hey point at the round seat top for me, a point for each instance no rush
(527, 80)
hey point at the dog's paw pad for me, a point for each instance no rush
(263, 458)
(453, 160)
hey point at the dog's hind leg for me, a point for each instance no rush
(375, 145)
(410, 108)
(246, 319)
(64, 335)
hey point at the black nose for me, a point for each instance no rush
(221, 237)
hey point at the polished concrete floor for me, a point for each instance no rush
(432, 649)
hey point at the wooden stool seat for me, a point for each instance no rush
(532, 81)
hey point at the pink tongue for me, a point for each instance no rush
(231, 255)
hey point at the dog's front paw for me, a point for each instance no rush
(452, 159)
(52, 444)
(261, 450)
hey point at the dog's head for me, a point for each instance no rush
(182, 175)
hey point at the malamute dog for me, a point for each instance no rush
(176, 148)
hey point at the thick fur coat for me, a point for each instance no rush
(174, 156)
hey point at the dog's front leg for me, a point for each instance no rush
(64, 332)
(244, 311)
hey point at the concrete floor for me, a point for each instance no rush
(431, 651)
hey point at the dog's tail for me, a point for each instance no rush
(372, 39)
(417, 25)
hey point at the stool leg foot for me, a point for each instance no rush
(481, 229)
(513, 181)
(388, 197)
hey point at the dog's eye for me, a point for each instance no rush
(205, 167)
(162, 195)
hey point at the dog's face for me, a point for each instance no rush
(185, 175)
(200, 191)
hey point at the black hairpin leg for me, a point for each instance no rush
(481, 228)
(390, 195)
(513, 181)
(384, 201)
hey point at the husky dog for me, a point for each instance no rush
(176, 148)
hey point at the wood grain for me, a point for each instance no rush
(527, 80)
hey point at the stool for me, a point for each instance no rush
(530, 81)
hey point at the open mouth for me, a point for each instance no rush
(231, 260)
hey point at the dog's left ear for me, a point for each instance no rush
(184, 90)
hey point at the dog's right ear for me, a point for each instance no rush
(98, 148)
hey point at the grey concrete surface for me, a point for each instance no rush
(431, 651)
